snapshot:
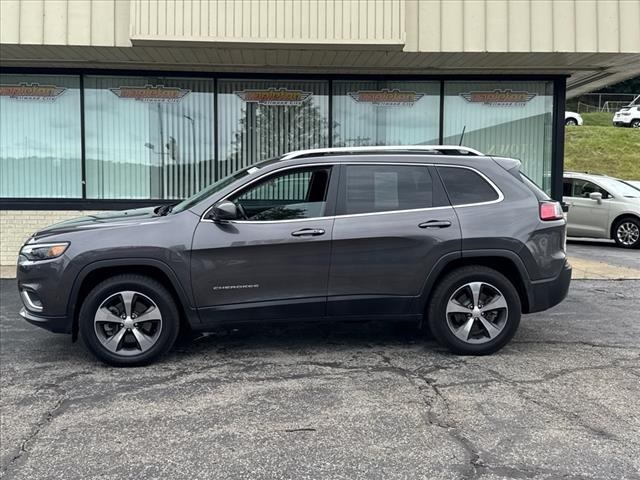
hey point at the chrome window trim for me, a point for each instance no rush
(349, 215)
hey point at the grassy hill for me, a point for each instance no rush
(598, 147)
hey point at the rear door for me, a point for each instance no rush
(392, 224)
(274, 262)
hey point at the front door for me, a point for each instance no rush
(586, 217)
(273, 262)
(393, 223)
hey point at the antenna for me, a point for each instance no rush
(462, 135)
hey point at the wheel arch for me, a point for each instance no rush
(506, 262)
(618, 218)
(96, 272)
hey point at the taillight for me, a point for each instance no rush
(551, 211)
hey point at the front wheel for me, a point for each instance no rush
(129, 320)
(571, 122)
(474, 310)
(626, 232)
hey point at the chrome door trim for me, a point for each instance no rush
(491, 183)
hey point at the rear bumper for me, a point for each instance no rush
(53, 324)
(544, 294)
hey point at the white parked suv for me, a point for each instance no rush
(572, 119)
(627, 117)
(602, 207)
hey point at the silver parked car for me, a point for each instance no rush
(602, 207)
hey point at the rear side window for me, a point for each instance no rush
(465, 186)
(383, 188)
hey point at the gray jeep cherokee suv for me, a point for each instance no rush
(441, 234)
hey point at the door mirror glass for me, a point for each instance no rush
(224, 211)
(597, 196)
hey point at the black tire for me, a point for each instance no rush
(571, 122)
(619, 239)
(148, 287)
(450, 284)
(635, 123)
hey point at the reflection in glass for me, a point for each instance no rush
(40, 143)
(512, 119)
(263, 119)
(385, 113)
(148, 137)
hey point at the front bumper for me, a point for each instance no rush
(53, 324)
(544, 294)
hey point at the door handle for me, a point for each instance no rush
(435, 224)
(308, 232)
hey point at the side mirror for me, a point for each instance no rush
(597, 196)
(224, 211)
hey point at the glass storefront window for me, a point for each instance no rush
(385, 113)
(260, 119)
(148, 138)
(512, 119)
(40, 141)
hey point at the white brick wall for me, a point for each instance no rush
(17, 225)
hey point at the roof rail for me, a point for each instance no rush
(427, 149)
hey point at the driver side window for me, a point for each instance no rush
(291, 195)
(583, 188)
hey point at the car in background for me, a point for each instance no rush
(627, 117)
(572, 119)
(602, 207)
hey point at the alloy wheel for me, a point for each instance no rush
(477, 312)
(128, 323)
(628, 233)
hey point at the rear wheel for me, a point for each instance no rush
(626, 232)
(474, 310)
(635, 123)
(571, 122)
(129, 320)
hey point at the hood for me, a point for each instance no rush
(99, 220)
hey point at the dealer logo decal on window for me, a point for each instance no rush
(499, 98)
(33, 91)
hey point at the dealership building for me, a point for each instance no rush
(111, 104)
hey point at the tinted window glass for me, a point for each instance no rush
(295, 194)
(567, 188)
(381, 188)
(465, 186)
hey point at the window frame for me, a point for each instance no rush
(332, 191)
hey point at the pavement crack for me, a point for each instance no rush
(23, 451)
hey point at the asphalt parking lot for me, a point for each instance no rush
(340, 401)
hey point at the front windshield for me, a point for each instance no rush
(219, 185)
(619, 187)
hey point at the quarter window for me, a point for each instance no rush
(382, 188)
(465, 186)
(295, 194)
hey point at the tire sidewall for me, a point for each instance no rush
(615, 232)
(437, 317)
(152, 289)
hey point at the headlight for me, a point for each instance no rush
(43, 251)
